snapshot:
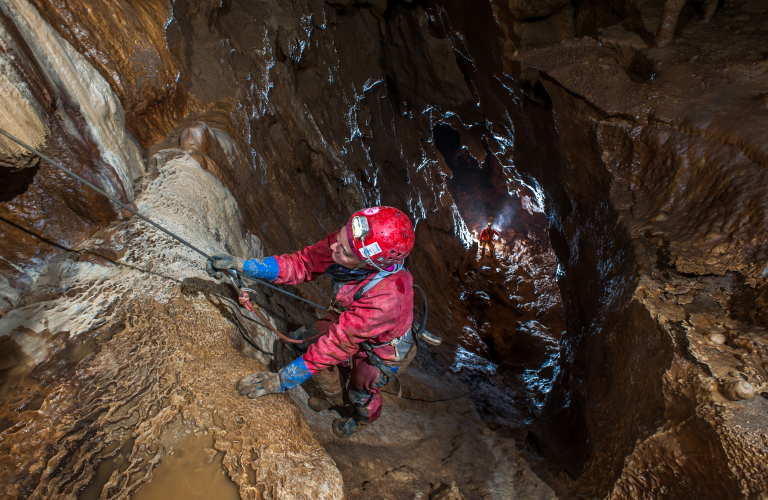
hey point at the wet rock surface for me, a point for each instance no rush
(665, 180)
(614, 348)
(54, 101)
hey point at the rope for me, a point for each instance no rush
(134, 212)
(280, 290)
(137, 214)
(274, 330)
(430, 400)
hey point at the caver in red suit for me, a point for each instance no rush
(487, 236)
(365, 261)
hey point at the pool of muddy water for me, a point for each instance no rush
(192, 470)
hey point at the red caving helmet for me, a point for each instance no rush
(381, 236)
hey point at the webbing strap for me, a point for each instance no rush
(376, 279)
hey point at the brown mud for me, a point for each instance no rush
(193, 470)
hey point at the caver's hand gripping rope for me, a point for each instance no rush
(235, 277)
(242, 294)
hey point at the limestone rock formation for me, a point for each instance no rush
(55, 101)
(167, 358)
(679, 173)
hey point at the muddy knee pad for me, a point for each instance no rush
(367, 406)
(328, 381)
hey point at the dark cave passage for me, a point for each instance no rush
(481, 194)
(512, 300)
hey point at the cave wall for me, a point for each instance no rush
(645, 367)
(649, 179)
(308, 110)
(268, 141)
(56, 102)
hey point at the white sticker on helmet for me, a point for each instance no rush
(372, 211)
(370, 250)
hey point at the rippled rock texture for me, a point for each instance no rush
(257, 127)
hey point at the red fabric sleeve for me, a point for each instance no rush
(306, 264)
(383, 313)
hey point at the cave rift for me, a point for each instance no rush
(614, 348)
(511, 297)
(484, 190)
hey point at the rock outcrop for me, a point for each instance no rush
(54, 101)
(669, 361)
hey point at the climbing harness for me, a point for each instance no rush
(377, 279)
(421, 332)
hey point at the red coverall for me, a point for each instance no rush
(486, 238)
(384, 313)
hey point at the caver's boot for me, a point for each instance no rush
(344, 427)
(326, 402)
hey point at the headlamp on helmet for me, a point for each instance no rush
(360, 227)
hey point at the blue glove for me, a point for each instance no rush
(294, 374)
(266, 268)
(262, 383)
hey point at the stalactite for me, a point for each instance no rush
(666, 31)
